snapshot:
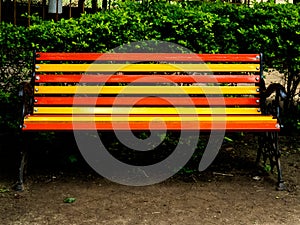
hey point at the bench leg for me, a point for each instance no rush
(19, 186)
(268, 148)
(260, 149)
(276, 155)
(20, 183)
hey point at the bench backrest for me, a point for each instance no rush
(147, 84)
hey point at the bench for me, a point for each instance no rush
(157, 91)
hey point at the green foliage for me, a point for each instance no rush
(69, 200)
(15, 63)
(4, 190)
(201, 27)
(228, 139)
(267, 168)
(72, 159)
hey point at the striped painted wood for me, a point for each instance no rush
(145, 110)
(154, 90)
(148, 79)
(146, 101)
(57, 56)
(147, 67)
(154, 96)
(99, 118)
(232, 126)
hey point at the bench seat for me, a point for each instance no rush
(133, 90)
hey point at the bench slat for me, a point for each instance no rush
(146, 101)
(56, 56)
(149, 79)
(76, 118)
(147, 67)
(154, 90)
(142, 126)
(145, 110)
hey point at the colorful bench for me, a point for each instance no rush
(128, 91)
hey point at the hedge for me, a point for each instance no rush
(273, 29)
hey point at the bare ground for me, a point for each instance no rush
(224, 194)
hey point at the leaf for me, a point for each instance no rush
(267, 168)
(228, 139)
(69, 200)
(73, 159)
(4, 190)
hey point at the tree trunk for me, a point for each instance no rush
(81, 6)
(104, 5)
(94, 6)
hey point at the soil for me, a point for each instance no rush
(231, 191)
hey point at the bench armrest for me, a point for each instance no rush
(273, 107)
(26, 97)
(277, 88)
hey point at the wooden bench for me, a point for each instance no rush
(128, 91)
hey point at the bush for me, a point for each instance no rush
(201, 27)
(15, 64)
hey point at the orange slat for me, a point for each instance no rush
(145, 101)
(141, 126)
(58, 56)
(149, 78)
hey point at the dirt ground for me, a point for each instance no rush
(232, 191)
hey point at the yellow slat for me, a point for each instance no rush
(147, 118)
(143, 110)
(146, 90)
(147, 67)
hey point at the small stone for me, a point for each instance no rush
(257, 178)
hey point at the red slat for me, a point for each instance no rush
(141, 126)
(145, 101)
(149, 78)
(148, 57)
